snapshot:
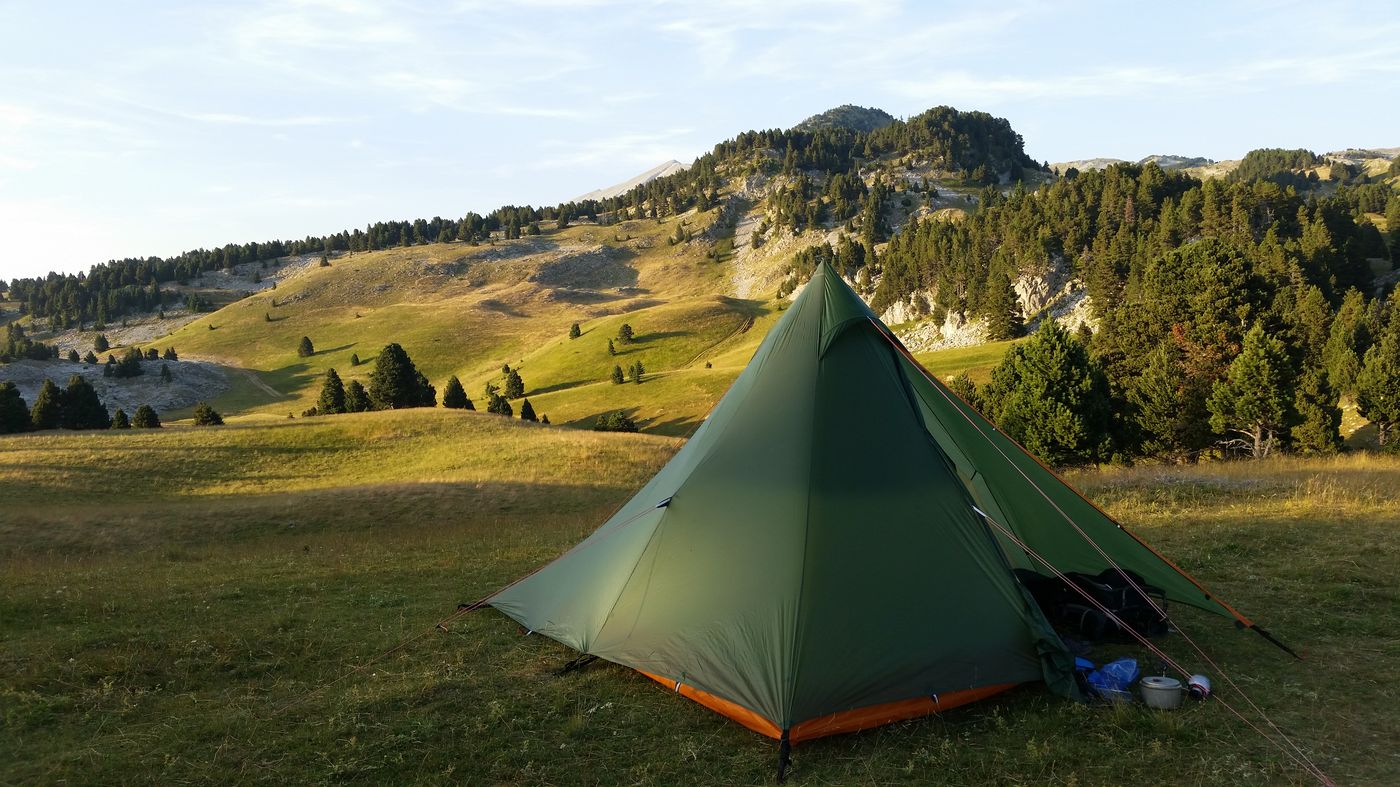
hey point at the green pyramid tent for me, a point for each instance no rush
(817, 558)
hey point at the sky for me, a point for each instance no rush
(138, 129)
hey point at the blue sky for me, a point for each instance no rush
(132, 129)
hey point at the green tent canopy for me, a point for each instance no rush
(816, 559)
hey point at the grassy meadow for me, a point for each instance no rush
(465, 310)
(169, 595)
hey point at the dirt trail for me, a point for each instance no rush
(248, 374)
(259, 384)
(745, 278)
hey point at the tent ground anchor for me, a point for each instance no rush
(1270, 637)
(784, 756)
(578, 663)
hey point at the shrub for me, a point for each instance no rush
(614, 422)
(204, 415)
(48, 407)
(454, 396)
(145, 418)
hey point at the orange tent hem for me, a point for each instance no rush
(835, 723)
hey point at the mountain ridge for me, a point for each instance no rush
(670, 167)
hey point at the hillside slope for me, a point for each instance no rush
(467, 310)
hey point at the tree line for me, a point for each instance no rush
(78, 406)
(395, 383)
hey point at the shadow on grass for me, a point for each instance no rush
(544, 389)
(682, 426)
(491, 304)
(289, 378)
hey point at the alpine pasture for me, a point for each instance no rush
(204, 621)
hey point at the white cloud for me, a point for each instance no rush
(640, 150)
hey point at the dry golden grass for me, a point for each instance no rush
(167, 594)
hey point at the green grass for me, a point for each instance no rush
(976, 361)
(671, 403)
(168, 594)
(667, 337)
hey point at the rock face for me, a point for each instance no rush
(955, 331)
(590, 267)
(191, 382)
(915, 307)
(1052, 293)
(617, 189)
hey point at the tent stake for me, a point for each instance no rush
(784, 756)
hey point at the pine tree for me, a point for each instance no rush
(145, 418)
(354, 359)
(1255, 400)
(1052, 398)
(1316, 430)
(1310, 323)
(305, 348)
(1347, 341)
(14, 413)
(1392, 216)
(614, 422)
(91, 357)
(1001, 309)
(454, 396)
(48, 407)
(119, 420)
(396, 383)
(625, 334)
(574, 331)
(332, 399)
(544, 419)
(100, 344)
(356, 400)
(204, 415)
(169, 354)
(152, 354)
(636, 371)
(527, 412)
(81, 407)
(1378, 385)
(1169, 406)
(617, 377)
(165, 376)
(129, 365)
(966, 390)
(73, 356)
(515, 386)
(498, 405)
(611, 349)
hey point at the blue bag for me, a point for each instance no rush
(1114, 677)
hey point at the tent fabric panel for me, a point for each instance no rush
(904, 592)
(568, 599)
(836, 723)
(714, 599)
